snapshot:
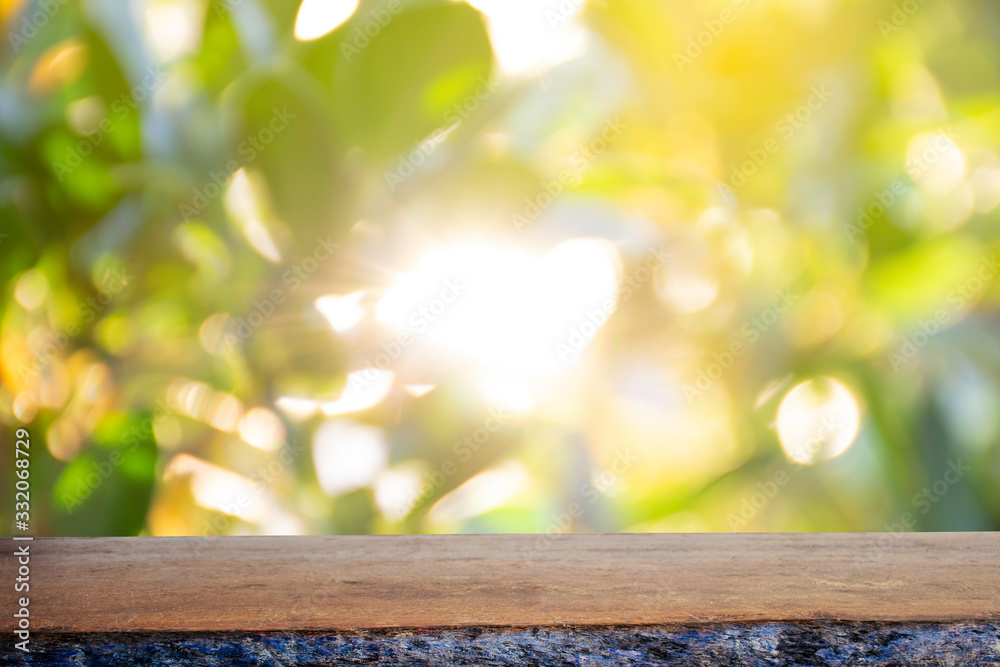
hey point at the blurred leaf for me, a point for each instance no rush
(107, 491)
(287, 136)
(405, 81)
(923, 279)
(220, 59)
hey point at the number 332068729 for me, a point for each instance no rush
(21, 462)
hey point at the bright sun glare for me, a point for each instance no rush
(527, 34)
(508, 316)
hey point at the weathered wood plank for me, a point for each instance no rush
(258, 584)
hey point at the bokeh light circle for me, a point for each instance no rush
(818, 420)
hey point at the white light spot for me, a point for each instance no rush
(211, 331)
(319, 17)
(348, 456)
(260, 240)
(31, 289)
(342, 312)
(818, 420)
(365, 389)
(397, 490)
(217, 488)
(686, 287)
(244, 205)
(530, 35)
(175, 27)
(297, 408)
(225, 412)
(418, 390)
(262, 429)
(24, 407)
(189, 396)
(935, 162)
(985, 183)
(484, 492)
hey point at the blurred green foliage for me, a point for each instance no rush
(181, 180)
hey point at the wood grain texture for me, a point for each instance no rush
(368, 582)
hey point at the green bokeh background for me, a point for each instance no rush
(699, 94)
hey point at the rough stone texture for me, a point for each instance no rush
(846, 644)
